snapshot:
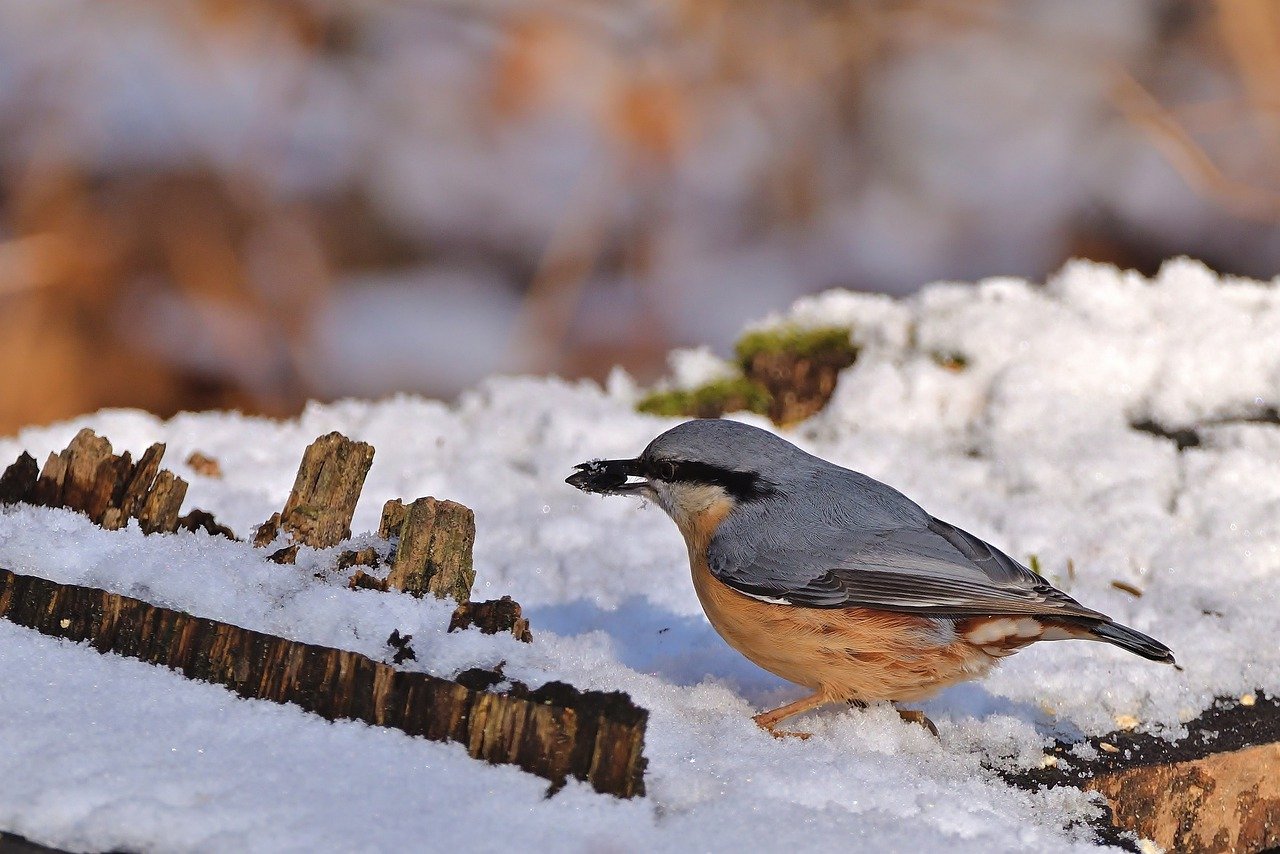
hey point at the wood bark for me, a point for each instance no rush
(1216, 790)
(555, 731)
(323, 500)
(433, 554)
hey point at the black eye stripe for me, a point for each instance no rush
(742, 485)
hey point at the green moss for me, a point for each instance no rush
(732, 394)
(796, 341)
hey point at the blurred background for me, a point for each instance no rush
(249, 203)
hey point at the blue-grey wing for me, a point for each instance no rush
(931, 568)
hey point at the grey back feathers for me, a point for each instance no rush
(828, 537)
(809, 533)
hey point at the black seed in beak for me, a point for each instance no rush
(605, 477)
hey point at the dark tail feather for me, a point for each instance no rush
(1132, 640)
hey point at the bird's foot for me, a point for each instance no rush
(918, 717)
(768, 721)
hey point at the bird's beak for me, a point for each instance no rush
(608, 477)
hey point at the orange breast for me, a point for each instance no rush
(846, 653)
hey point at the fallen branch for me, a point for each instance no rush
(556, 731)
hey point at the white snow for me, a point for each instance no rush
(1029, 446)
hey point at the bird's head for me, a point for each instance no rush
(698, 471)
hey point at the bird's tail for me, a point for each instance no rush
(1130, 639)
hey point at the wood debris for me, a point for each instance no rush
(108, 488)
(496, 615)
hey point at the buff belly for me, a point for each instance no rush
(844, 653)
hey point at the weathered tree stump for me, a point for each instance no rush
(496, 615)
(555, 731)
(87, 477)
(1216, 790)
(433, 554)
(323, 500)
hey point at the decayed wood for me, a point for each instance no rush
(160, 509)
(203, 520)
(1216, 790)
(323, 500)
(433, 554)
(204, 465)
(496, 615)
(140, 481)
(266, 533)
(393, 513)
(367, 556)
(799, 385)
(555, 731)
(19, 480)
(109, 489)
(401, 650)
(288, 554)
(361, 580)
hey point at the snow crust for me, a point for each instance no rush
(1029, 445)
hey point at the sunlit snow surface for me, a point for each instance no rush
(1029, 446)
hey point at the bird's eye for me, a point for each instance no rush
(666, 470)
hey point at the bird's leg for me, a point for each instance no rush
(916, 716)
(770, 720)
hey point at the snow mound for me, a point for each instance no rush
(1031, 443)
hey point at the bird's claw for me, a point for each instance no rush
(915, 716)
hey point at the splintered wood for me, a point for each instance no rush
(109, 489)
(555, 731)
(323, 500)
(433, 550)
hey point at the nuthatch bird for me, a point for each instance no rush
(835, 581)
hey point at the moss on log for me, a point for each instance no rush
(788, 373)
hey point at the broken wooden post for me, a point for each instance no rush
(555, 731)
(320, 506)
(323, 500)
(87, 477)
(433, 554)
